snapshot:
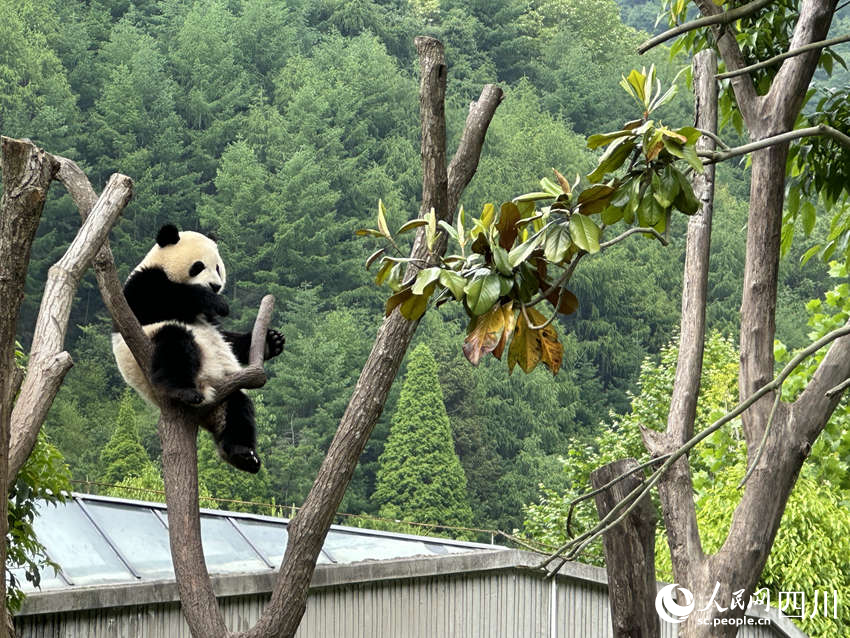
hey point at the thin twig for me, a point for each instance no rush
(632, 231)
(634, 497)
(783, 56)
(726, 17)
(821, 129)
(757, 458)
(839, 388)
(715, 137)
(568, 273)
(545, 324)
(610, 483)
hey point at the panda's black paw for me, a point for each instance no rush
(189, 396)
(219, 306)
(274, 343)
(242, 458)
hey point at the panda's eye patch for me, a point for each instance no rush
(197, 268)
(217, 270)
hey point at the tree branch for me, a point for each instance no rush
(788, 88)
(712, 157)
(676, 488)
(576, 545)
(720, 18)
(745, 92)
(84, 196)
(783, 56)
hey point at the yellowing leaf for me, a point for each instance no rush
(382, 220)
(508, 218)
(485, 333)
(526, 348)
(510, 323)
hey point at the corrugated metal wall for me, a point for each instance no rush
(492, 604)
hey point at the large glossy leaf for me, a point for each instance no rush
(455, 282)
(685, 201)
(557, 243)
(595, 199)
(482, 293)
(510, 322)
(425, 278)
(585, 233)
(601, 139)
(612, 159)
(520, 253)
(501, 261)
(564, 301)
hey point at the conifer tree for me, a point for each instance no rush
(123, 456)
(420, 477)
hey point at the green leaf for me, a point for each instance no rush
(685, 200)
(665, 187)
(455, 282)
(585, 233)
(809, 217)
(373, 257)
(595, 199)
(557, 243)
(550, 187)
(520, 253)
(410, 225)
(414, 306)
(612, 159)
(501, 261)
(533, 197)
(600, 139)
(431, 230)
(368, 232)
(691, 157)
(450, 230)
(382, 220)
(482, 293)
(425, 278)
(612, 215)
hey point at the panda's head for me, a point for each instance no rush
(186, 257)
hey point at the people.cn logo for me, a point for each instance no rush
(668, 609)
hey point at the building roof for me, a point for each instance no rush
(99, 540)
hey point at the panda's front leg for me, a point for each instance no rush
(176, 363)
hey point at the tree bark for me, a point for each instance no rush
(629, 554)
(27, 172)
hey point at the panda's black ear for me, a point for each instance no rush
(167, 235)
(211, 235)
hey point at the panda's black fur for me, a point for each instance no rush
(175, 294)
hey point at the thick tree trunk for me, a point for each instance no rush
(629, 553)
(27, 173)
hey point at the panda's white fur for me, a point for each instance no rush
(217, 357)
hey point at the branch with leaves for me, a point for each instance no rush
(509, 260)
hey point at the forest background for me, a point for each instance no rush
(278, 125)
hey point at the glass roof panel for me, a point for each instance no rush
(224, 548)
(74, 543)
(345, 547)
(269, 538)
(138, 534)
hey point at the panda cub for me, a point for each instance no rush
(174, 293)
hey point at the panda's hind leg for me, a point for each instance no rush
(237, 440)
(176, 362)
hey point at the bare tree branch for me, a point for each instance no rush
(719, 18)
(712, 157)
(84, 196)
(676, 488)
(745, 92)
(783, 56)
(788, 88)
(48, 364)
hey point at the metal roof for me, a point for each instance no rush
(99, 540)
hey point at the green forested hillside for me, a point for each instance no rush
(278, 125)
